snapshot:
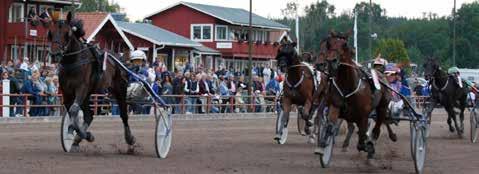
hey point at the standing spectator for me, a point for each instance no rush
(51, 91)
(205, 91)
(25, 70)
(14, 89)
(258, 91)
(267, 74)
(167, 88)
(34, 87)
(191, 88)
(224, 93)
(178, 85)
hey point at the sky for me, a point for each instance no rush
(138, 9)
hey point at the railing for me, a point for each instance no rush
(181, 103)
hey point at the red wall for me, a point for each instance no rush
(179, 18)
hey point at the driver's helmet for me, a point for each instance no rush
(138, 55)
(380, 61)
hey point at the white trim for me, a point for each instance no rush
(57, 2)
(202, 26)
(285, 33)
(110, 18)
(156, 42)
(226, 34)
(10, 12)
(231, 22)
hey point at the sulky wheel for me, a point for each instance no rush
(281, 127)
(67, 133)
(326, 142)
(163, 131)
(474, 126)
(420, 148)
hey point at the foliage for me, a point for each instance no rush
(98, 5)
(393, 50)
(427, 36)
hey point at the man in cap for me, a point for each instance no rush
(380, 64)
(138, 59)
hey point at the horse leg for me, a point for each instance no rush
(461, 117)
(87, 119)
(129, 138)
(391, 133)
(450, 116)
(349, 134)
(80, 95)
(307, 118)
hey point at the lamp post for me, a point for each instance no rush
(454, 35)
(250, 49)
(369, 28)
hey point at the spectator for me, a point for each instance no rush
(224, 93)
(34, 87)
(205, 91)
(14, 89)
(51, 91)
(191, 88)
(167, 89)
(267, 74)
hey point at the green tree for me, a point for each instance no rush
(393, 50)
(98, 5)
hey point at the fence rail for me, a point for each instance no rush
(181, 104)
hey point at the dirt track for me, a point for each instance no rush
(220, 146)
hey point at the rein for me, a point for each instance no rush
(358, 86)
(296, 84)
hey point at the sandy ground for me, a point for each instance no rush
(221, 146)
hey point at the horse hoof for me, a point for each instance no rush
(318, 151)
(89, 137)
(451, 129)
(75, 148)
(131, 150)
(310, 140)
(131, 141)
(393, 137)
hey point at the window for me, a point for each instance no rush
(202, 32)
(32, 11)
(15, 13)
(222, 33)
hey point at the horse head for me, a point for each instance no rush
(334, 50)
(431, 66)
(62, 33)
(287, 56)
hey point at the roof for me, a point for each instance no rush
(206, 50)
(67, 2)
(156, 34)
(93, 22)
(235, 16)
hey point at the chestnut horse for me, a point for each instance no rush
(80, 77)
(350, 96)
(299, 88)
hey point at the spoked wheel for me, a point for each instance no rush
(425, 111)
(163, 132)
(68, 134)
(326, 137)
(281, 128)
(474, 126)
(420, 147)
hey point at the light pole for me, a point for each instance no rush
(369, 28)
(454, 35)
(250, 49)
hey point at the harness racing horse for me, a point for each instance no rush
(301, 87)
(446, 91)
(350, 96)
(80, 77)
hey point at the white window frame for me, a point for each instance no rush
(202, 26)
(227, 34)
(10, 12)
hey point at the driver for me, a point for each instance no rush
(380, 64)
(138, 60)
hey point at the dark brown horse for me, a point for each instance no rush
(80, 77)
(299, 87)
(350, 95)
(446, 91)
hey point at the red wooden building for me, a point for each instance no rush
(18, 37)
(222, 29)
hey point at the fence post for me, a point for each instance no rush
(208, 105)
(231, 104)
(25, 105)
(6, 99)
(182, 99)
(95, 104)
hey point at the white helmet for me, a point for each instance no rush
(138, 54)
